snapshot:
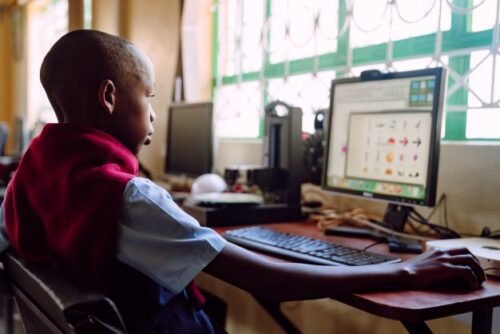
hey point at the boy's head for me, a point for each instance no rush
(100, 80)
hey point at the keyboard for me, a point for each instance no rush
(302, 248)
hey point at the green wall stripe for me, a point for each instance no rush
(451, 41)
(461, 66)
(215, 46)
(455, 125)
(420, 46)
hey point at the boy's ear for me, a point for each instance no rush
(107, 95)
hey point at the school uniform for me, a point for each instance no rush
(100, 221)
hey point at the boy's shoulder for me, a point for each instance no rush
(141, 186)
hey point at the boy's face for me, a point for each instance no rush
(134, 114)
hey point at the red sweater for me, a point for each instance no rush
(63, 204)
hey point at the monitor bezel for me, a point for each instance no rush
(184, 105)
(429, 199)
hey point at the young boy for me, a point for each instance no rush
(76, 202)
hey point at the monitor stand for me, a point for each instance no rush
(396, 215)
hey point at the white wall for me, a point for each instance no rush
(237, 152)
(469, 175)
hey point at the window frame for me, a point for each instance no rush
(459, 37)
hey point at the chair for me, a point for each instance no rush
(4, 131)
(50, 303)
(7, 303)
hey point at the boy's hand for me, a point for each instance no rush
(439, 266)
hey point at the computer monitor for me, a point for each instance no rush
(383, 138)
(189, 139)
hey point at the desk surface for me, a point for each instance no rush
(410, 305)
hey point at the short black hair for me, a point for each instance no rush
(81, 59)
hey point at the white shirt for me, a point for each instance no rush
(158, 238)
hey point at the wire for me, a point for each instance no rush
(441, 201)
(341, 32)
(414, 217)
(413, 227)
(298, 10)
(443, 231)
(445, 210)
(390, 231)
(427, 12)
(472, 235)
(372, 244)
(463, 10)
(368, 30)
(419, 229)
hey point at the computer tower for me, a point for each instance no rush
(279, 177)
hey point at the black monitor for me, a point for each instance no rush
(383, 138)
(189, 139)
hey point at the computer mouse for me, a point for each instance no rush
(458, 284)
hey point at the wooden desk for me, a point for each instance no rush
(412, 308)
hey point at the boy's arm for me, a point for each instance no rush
(280, 281)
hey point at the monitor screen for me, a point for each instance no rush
(189, 139)
(383, 136)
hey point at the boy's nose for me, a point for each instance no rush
(152, 115)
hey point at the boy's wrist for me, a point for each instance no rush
(405, 275)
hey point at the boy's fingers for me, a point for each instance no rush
(474, 282)
(458, 251)
(470, 261)
(465, 274)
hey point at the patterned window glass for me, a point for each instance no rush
(238, 110)
(290, 50)
(48, 21)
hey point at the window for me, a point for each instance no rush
(48, 21)
(291, 50)
(87, 14)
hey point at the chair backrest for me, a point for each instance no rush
(4, 131)
(50, 303)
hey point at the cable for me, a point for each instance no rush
(414, 216)
(368, 30)
(427, 12)
(487, 233)
(412, 226)
(418, 230)
(372, 244)
(390, 231)
(445, 210)
(341, 32)
(443, 231)
(441, 200)
(463, 10)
